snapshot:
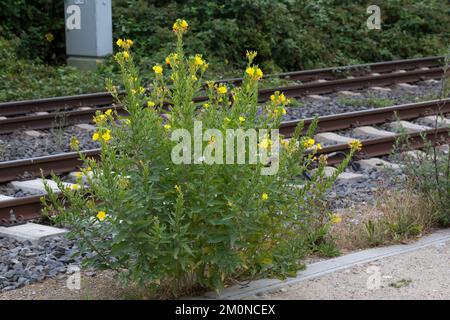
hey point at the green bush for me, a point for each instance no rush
(429, 171)
(177, 227)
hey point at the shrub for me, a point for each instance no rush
(177, 227)
(429, 170)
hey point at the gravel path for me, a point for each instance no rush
(421, 274)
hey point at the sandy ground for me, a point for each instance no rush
(100, 286)
(421, 274)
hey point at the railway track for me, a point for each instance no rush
(45, 113)
(26, 208)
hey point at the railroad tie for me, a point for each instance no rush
(349, 93)
(372, 132)
(5, 198)
(375, 163)
(37, 185)
(431, 121)
(345, 177)
(409, 127)
(407, 85)
(331, 137)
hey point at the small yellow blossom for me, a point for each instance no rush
(108, 112)
(177, 187)
(264, 196)
(158, 69)
(141, 90)
(101, 215)
(119, 43)
(241, 119)
(355, 144)
(75, 186)
(254, 73)
(309, 143)
(180, 26)
(106, 136)
(222, 89)
(206, 105)
(126, 55)
(129, 43)
(95, 136)
(167, 126)
(335, 219)
(150, 104)
(198, 60)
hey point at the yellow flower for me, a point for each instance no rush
(95, 136)
(265, 143)
(101, 215)
(119, 43)
(167, 126)
(259, 73)
(180, 26)
(129, 43)
(198, 60)
(106, 136)
(108, 112)
(141, 90)
(318, 147)
(241, 119)
(254, 73)
(49, 37)
(222, 89)
(177, 187)
(212, 140)
(264, 196)
(278, 98)
(150, 104)
(355, 144)
(126, 55)
(250, 71)
(75, 186)
(309, 143)
(158, 69)
(206, 105)
(99, 119)
(335, 219)
(283, 111)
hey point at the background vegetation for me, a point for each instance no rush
(288, 34)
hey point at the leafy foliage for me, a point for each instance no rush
(176, 227)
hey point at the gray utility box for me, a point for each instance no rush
(88, 28)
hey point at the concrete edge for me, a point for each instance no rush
(328, 266)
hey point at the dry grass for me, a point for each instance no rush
(397, 217)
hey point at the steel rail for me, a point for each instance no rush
(104, 98)
(9, 125)
(67, 162)
(27, 208)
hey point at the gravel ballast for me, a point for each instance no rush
(22, 263)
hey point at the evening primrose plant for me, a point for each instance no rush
(175, 228)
